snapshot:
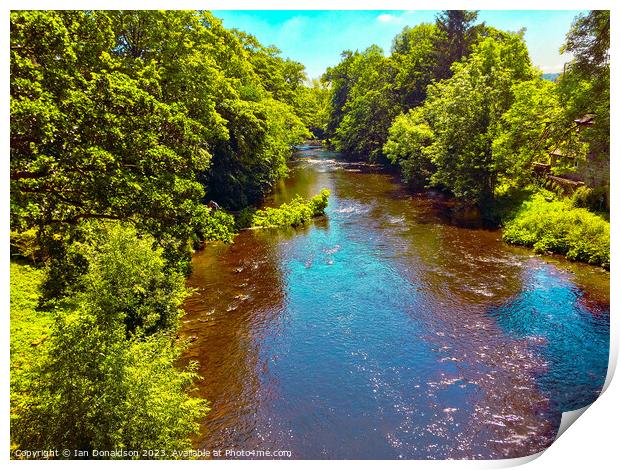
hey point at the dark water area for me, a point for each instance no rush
(382, 331)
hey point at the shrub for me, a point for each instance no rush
(294, 213)
(108, 380)
(558, 227)
(245, 217)
(30, 331)
(217, 225)
(26, 244)
(589, 198)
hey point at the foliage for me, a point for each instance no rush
(219, 225)
(415, 57)
(409, 138)
(142, 293)
(464, 114)
(87, 140)
(508, 201)
(558, 227)
(585, 87)
(297, 212)
(534, 125)
(368, 90)
(311, 101)
(457, 34)
(141, 116)
(26, 244)
(108, 381)
(30, 330)
(589, 39)
(368, 105)
(592, 199)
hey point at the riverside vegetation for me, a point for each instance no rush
(458, 107)
(125, 124)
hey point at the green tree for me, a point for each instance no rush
(457, 35)
(370, 104)
(534, 125)
(585, 87)
(143, 116)
(311, 103)
(340, 80)
(368, 90)
(415, 57)
(410, 137)
(465, 113)
(449, 141)
(108, 381)
(89, 141)
(589, 39)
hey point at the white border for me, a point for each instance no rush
(592, 443)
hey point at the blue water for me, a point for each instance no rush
(574, 337)
(383, 331)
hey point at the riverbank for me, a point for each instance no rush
(556, 226)
(539, 219)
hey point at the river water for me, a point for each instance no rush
(384, 331)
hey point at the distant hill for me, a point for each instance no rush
(552, 77)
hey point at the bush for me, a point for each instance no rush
(108, 380)
(26, 244)
(558, 227)
(30, 331)
(217, 225)
(296, 212)
(589, 198)
(245, 218)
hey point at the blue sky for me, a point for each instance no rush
(317, 37)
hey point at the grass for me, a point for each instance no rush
(557, 226)
(29, 329)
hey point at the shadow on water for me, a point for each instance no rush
(383, 331)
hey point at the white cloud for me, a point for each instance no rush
(387, 18)
(400, 18)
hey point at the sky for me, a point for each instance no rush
(317, 37)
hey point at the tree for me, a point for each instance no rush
(143, 116)
(416, 61)
(340, 80)
(368, 90)
(109, 381)
(585, 87)
(534, 125)
(448, 142)
(369, 105)
(589, 39)
(90, 142)
(457, 35)
(409, 139)
(465, 112)
(311, 105)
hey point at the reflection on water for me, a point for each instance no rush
(381, 331)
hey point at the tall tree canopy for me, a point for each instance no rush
(585, 87)
(369, 106)
(142, 116)
(449, 141)
(368, 90)
(457, 33)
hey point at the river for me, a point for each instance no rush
(384, 331)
